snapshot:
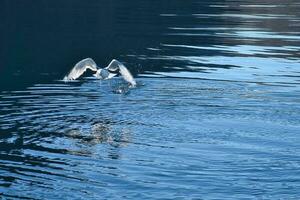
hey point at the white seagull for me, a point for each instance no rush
(108, 72)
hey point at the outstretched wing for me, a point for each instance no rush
(115, 65)
(80, 68)
(127, 75)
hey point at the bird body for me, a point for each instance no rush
(115, 67)
(104, 74)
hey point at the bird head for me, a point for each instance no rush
(97, 74)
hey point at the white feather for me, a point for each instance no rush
(114, 65)
(105, 73)
(80, 68)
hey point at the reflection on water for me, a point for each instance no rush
(216, 113)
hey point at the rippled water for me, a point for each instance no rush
(216, 114)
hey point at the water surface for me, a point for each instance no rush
(216, 114)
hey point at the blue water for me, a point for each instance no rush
(215, 115)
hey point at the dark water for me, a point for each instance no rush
(216, 114)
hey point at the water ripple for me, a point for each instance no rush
(216, 113)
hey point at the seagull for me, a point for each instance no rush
(114, 68)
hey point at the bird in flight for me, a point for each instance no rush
(114, 68)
